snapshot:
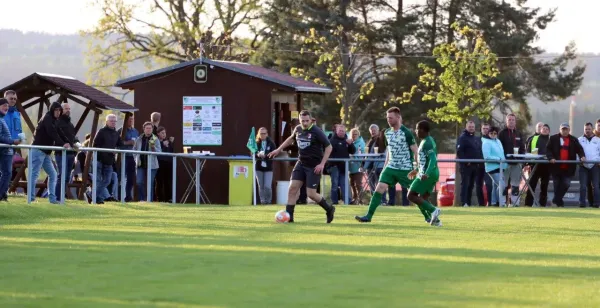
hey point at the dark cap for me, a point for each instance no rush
(3, 101)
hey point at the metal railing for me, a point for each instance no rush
(200, 157)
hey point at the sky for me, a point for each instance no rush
(573, 22)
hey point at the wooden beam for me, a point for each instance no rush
(26, 117)
(299, 103)
(87, 105)
(88, 156)
(81, 120)
(38, 100)
(123, 132)
(40, 112)
(20, 175)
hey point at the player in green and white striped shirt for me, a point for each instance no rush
(401, 145)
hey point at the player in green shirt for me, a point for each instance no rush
(426, 177)
(400, 144)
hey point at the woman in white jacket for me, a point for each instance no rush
(492, 149)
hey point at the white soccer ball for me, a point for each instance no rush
(282, 216)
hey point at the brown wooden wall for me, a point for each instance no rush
(246, 103)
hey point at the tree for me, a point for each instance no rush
(172, 31)
(466, 86)
(347, 72)
(511, 28)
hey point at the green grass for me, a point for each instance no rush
(186, 256)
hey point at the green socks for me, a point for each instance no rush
(375, 202)
(424, 212)
(426, 209)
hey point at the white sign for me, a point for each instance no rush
(239, 170)
(202, 120)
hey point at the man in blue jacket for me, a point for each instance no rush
(13, 116)
(468, 147)
(6, 154)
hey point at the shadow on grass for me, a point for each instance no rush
(252, 278)
(535, 213)
(151, 240)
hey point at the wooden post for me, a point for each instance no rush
(21, 173)
(88, 156)
(123, 132)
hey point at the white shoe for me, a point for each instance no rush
(435, 216)
(437, 223)
(465, 205)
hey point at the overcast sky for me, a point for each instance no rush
(574, 22)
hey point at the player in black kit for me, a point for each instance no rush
(311, 161)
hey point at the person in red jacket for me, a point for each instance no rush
(563, 146)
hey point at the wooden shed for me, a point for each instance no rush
(38, 90)
(245, 96)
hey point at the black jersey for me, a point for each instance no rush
(311, 142)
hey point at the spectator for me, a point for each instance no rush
(537, 144)
(589, 173)
(492, 150)
(511, 138)
(264, 166)
(342, 148)
(13, 116)
(563, 146)
(13, 121)
(155, 119)
(112, 189)
(131, 135)
(6, 154)
(68, 132)
(481, 176)
(149, 143)
(106, 138)
(468, 147)
(356, 174)
(374, 169)
(597, 130)
(164, 189)
(46, 134)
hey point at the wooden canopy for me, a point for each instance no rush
(40, 88)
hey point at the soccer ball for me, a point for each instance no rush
(282, 216)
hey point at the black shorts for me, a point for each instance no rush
(306, 175)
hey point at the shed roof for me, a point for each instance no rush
(299, 85)
(31, 86)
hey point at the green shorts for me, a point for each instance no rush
(394, 176)
(423, 187)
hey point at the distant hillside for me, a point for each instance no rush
(24, 53)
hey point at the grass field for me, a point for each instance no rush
(186, 256)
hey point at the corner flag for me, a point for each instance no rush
(252, 142)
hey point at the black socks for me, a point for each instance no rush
(290, 210)
(324, 205)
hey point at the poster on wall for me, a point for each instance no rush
(202, 120)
